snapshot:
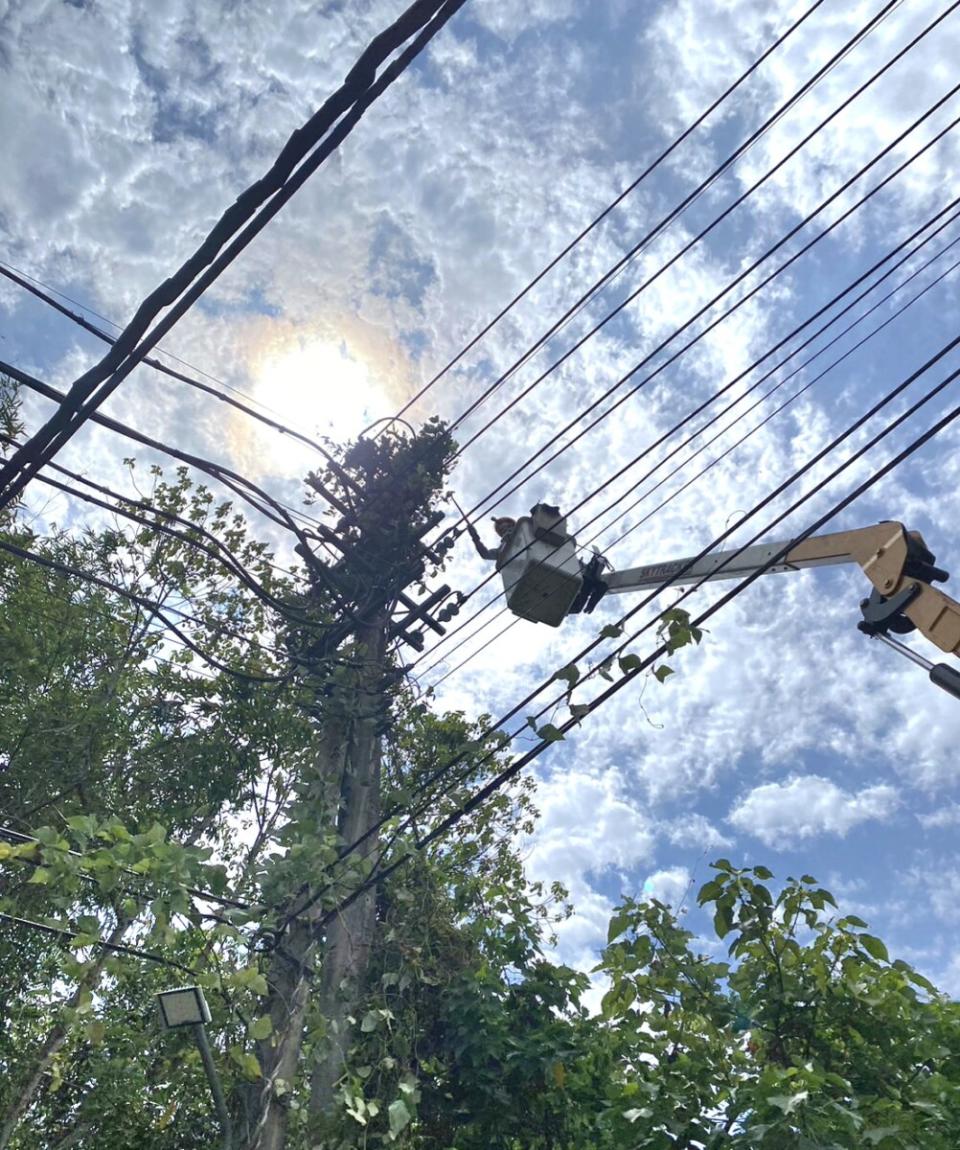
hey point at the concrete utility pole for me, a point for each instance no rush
(349, 936)
(348, 774)
(317, 970)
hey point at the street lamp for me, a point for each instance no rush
(186, 1006)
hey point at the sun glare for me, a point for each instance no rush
(316, 387)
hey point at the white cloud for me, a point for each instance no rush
(589, 827)
(945, 816)
(449, 196)
(670, 886)
(695, 831)
(807, 806)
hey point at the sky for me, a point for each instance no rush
(787, 738)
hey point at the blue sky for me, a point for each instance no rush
(788, 738)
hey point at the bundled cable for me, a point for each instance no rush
(308, 147)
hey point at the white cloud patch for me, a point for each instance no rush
(810, 805)
(670, 886)
(520, 123)
(945, 816)
(589, 827)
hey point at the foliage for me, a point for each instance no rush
(811, 1038)
(180, 812)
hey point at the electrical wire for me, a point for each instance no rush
(597, 220)
(24, 282)
(11, 835)
(308, 147)
(100, 944)
(693, 195)
(671, 582)
(745, 298)
(628, 676)
(713, 420)
(254, 496)
(738, 378)
(729, 450)
(193, 535)
(157, 610)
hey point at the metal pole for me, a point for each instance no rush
(216, 1089)
(905, 650)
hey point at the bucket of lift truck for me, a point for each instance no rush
(539, 567)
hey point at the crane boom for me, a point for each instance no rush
(897, 563)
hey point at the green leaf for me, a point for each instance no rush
(763, 873)
(723, 921)
(371, 1020)
(618, 924)
(630, 663)
(611, 631)
(261, 1028)
(398, 1116)
(251, 1067)
(41, 875)
(661, 673)
(569, 674)
(788, 1102)
(96, 1031)
(874, 947)
(579, 710)
(550, 734)
(709, 891)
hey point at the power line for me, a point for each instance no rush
(193, 534)
(254, 496)
(745, 298)
(11, 835)
(158, 610)
(729, 450)
(743, 148)
(157, 365)
(257, 205)
(99, 943)
(673, 581)
(628, 676)
(739, 377)
(597, 220)
(675, 212)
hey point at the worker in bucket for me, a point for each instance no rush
(504, 527)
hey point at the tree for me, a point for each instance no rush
(811, 1038)
(165, 822)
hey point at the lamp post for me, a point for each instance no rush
(186, 1006)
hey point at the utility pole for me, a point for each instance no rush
(318, 973)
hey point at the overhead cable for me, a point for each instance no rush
(488, 789)
(597, 220)
(740, 376)
(98, 944)
(157, 365)
(308, 147)
(490, 501)
(160, 611)
(728, 450)
(675, 579)
(679, 208)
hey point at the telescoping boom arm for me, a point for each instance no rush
(897, 563)
(544, 580)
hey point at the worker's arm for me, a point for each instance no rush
(484, 552)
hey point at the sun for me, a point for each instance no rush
(316, 386)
